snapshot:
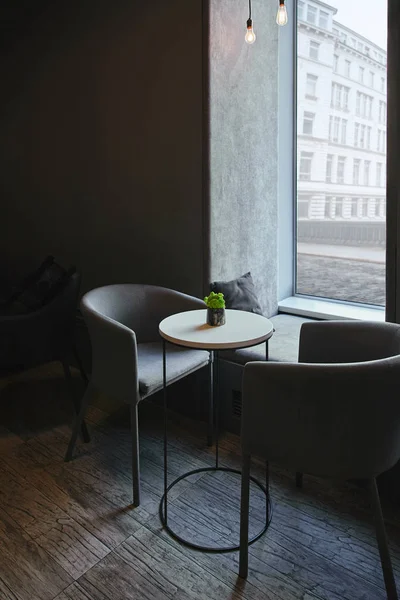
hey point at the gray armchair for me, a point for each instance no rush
(329, 418)
(123, 325)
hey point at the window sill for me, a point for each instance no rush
(326, 309)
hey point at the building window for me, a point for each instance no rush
(308, 123)
(367, 164)
(300, 10)
(323, 19)
(383, 85)
(338, 207)
(305, 166)
(354, 207)
(382, 112)
(314, 50)
(356, 134)
(303, 206)
(368, 141)
(311, 85)
(362, 136)
(378, 182)
(361, 74)
(364, 105)
(348, 68)
(334, 125)
(371, 78)
(378, 140)
(339, 96)
(377, 208)
(340, 169)
(335, 63)
(328, 207)
(329, 168)
(311, 14)
(356, 171)
(343, 136)
(364, 208)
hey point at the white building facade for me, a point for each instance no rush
(341, 131)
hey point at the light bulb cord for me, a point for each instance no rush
(249, 9)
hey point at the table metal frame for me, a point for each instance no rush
(213, 431)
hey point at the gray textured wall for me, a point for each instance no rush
(101, 142)
(244, 139)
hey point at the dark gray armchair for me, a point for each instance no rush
(42, 336)
(335, 417)
(127, 354)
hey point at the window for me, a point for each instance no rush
(371, 78)
(314, 49)
(343, 136)
(308, 123)
(356, 171)
(367, 164)
(356, 134)
(339, 96)
(323, 19)
(341, 163)
(338, 207)
(335, 63)
(311, 85)
(340, 169)
(378, 182)
(329, 167)
(382, 112)
(311, 14)
(364, 105)
(305, 166)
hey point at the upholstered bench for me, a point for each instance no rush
(282, 347)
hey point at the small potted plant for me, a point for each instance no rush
(215, 309)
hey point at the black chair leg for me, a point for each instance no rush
(244, 518)
(299, 480)
(80, 365)
(75, 400)
(383, 546)
(135, 455)
(88, 396)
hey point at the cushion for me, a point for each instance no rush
(180, 362)
(239, 293)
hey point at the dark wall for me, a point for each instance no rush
(101, 141)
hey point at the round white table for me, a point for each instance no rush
(190, 329)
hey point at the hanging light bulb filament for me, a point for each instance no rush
(250, 36)
(281, 17)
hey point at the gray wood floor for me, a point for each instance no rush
(69, 532)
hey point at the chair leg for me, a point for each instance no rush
(383, 546)
(88, 396)
(299, 480)
(80, 365)
(135, 454)
(244, 517)
(75, 400)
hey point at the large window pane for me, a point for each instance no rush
(341, 150)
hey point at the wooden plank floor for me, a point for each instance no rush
(69, 531)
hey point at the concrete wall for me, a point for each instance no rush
(243, 146)
(101, 142)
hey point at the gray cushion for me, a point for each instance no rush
(283, 346)
(180, 361)
(239, 293)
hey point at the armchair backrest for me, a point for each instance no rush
(118, 318)
(347, 341)
(340, 420)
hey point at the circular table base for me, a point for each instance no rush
(213, 548)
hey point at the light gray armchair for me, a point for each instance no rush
(123, 325)
(337, 420)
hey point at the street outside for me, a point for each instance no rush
(342, 273)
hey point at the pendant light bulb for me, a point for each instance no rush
(250, 36)
(281, 17)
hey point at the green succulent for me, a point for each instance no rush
(215, 300)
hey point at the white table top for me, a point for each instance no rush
(242, 329)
